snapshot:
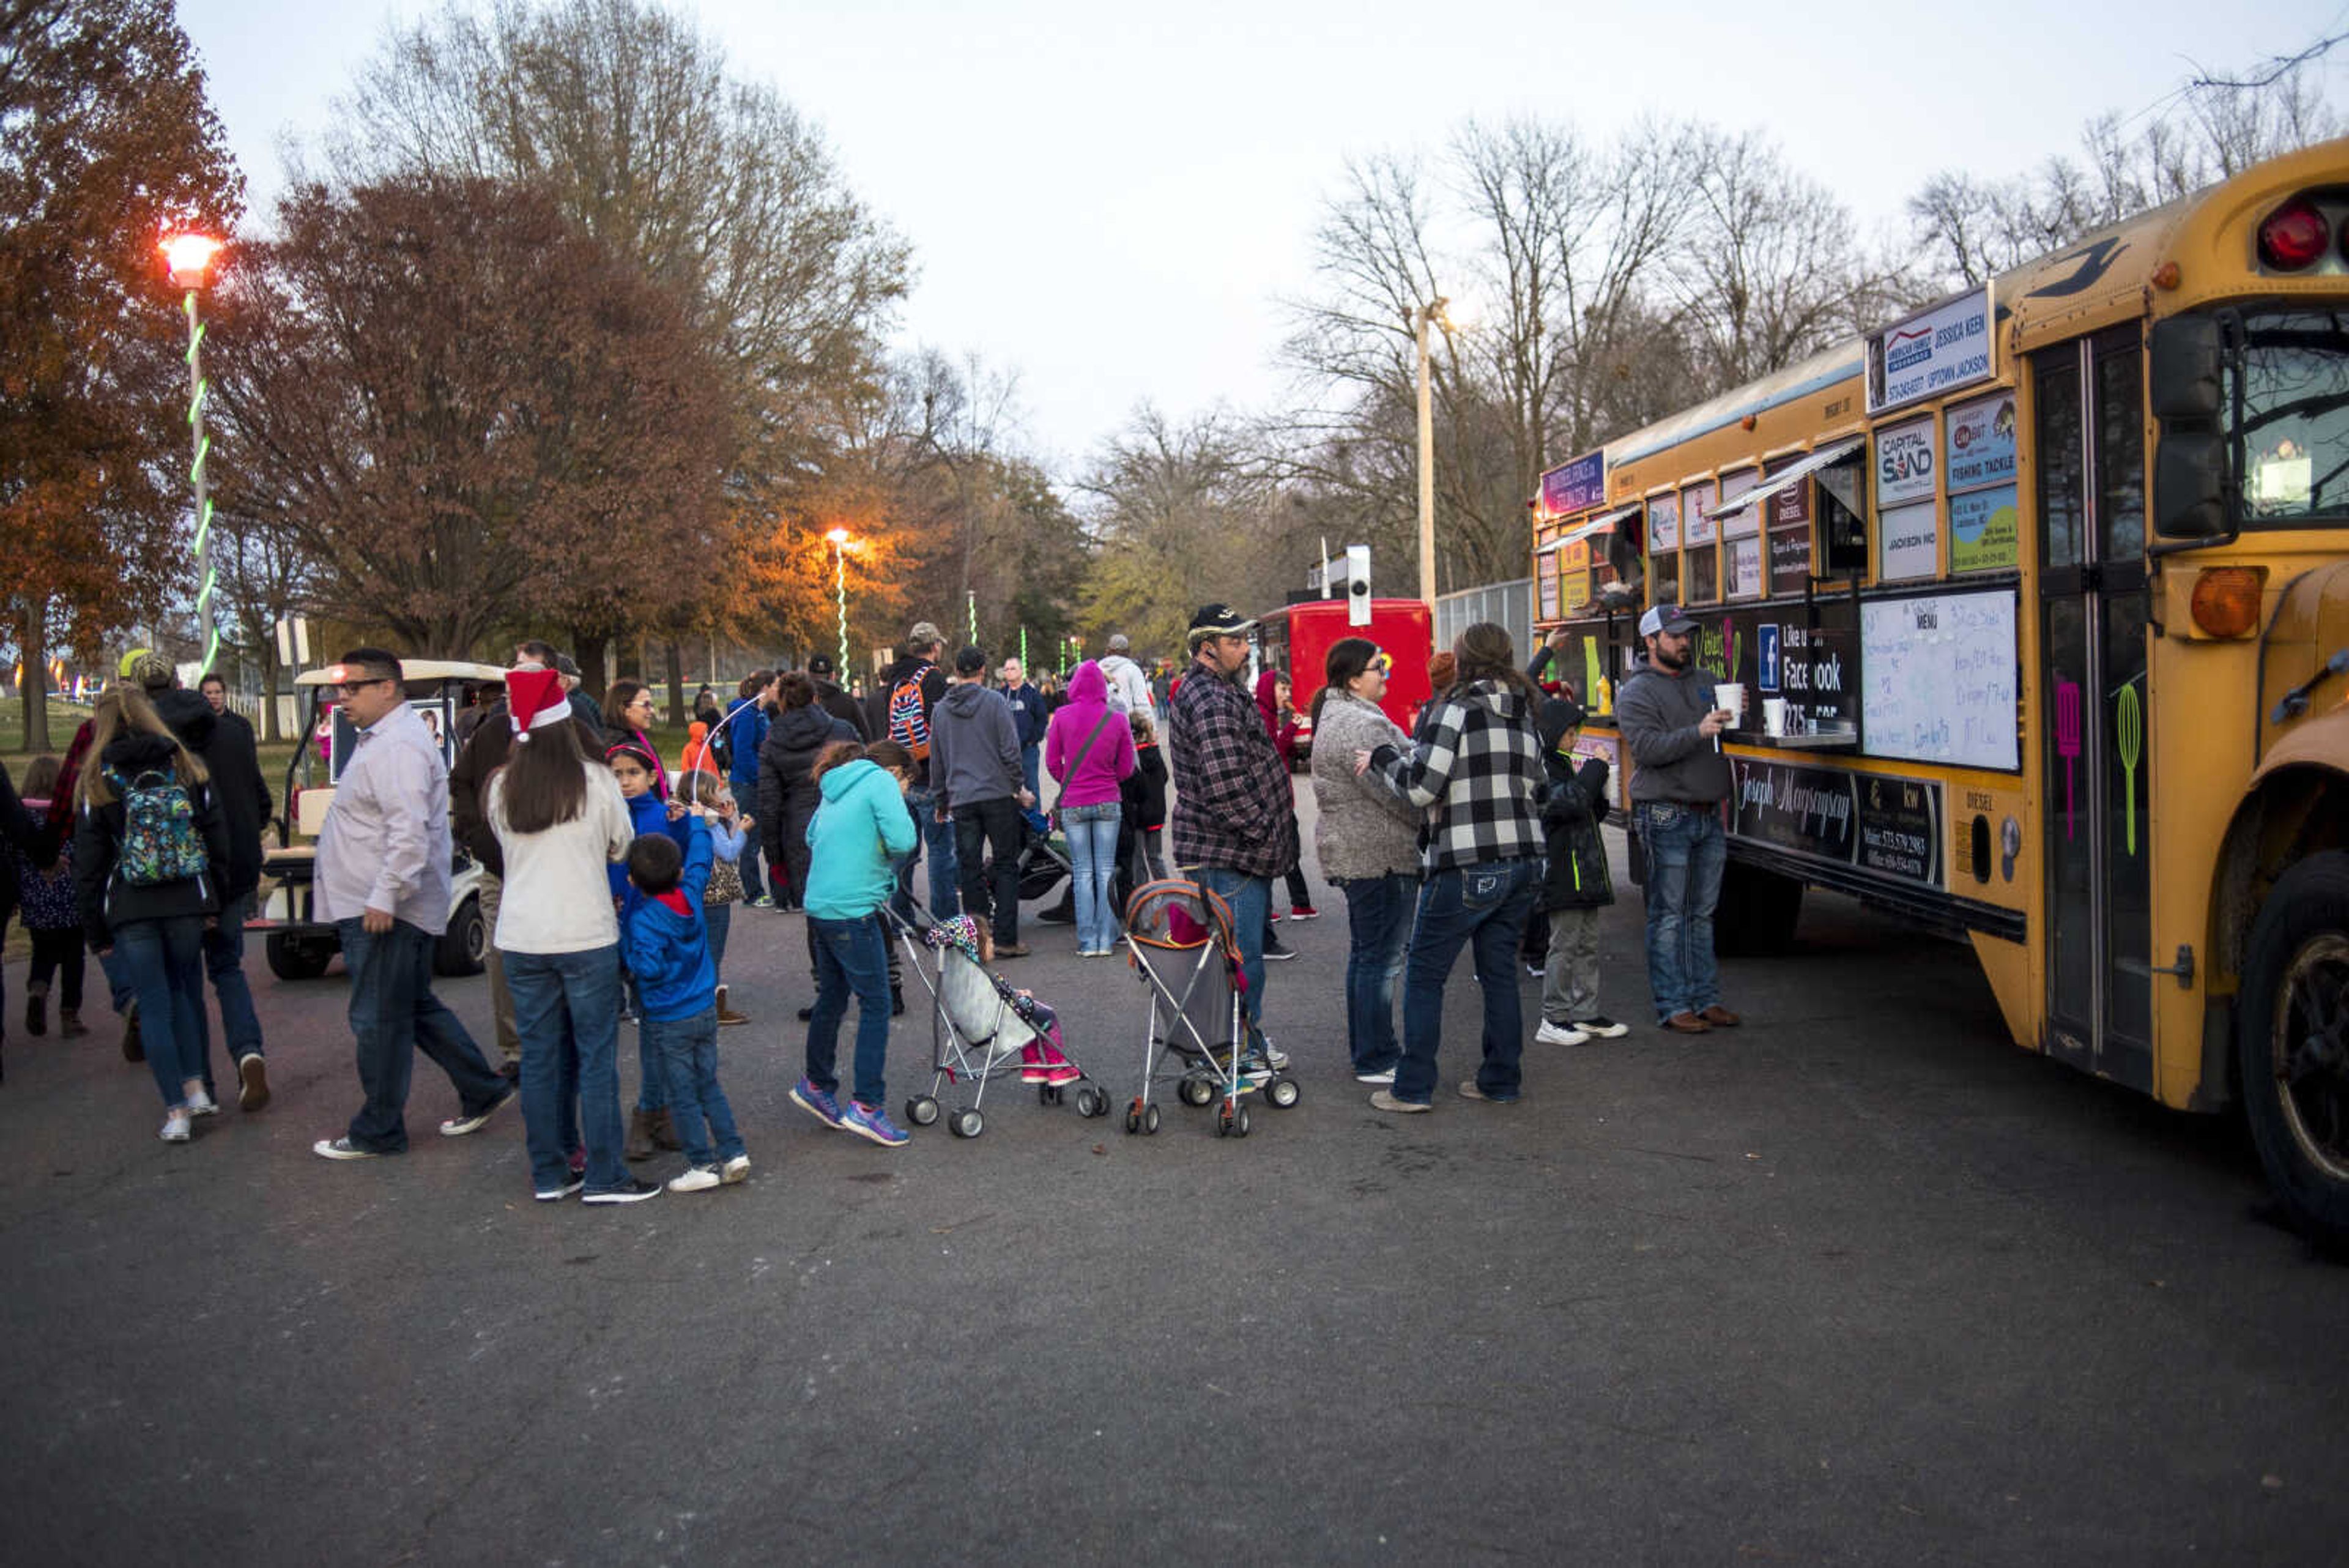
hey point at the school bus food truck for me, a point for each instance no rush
(2041, 601)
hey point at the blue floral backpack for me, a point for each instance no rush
(159, 841)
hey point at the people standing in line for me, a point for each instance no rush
(747, 720)
(975, 772)
(1678, 780)
(1028, 717)
(1234, 825)
(150, 849)
(860, 833)
(906, 696)
(382, 880)
(1367, 836)
(560, 822)
(1272, 691)
(1480, 771)
(729, 831)
(1577, 882)
(1142, 812)
(224, 742)
(629, 710)
(485, 751)
(787, 794)
(1089, 749)
(1129, 688)
(43, 892)
(668, 949)
(835, 702)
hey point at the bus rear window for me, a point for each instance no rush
(2295, 418)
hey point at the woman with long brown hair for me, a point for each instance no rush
(628, 713)
(149, 845)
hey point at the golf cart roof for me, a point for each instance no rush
(412, 670)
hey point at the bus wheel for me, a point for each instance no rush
(2294, 1043)
(1757, 911)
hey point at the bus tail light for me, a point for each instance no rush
(2226, 600)
(2295, 235)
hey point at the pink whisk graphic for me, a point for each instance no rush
(2067, 741)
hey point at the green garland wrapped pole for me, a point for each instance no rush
(190, 257)
(839, 540)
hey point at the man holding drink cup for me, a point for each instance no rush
(1672, 713)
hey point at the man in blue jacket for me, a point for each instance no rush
(1028, 717)
(746, 718)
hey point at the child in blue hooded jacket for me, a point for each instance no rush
(648, 814)
(667, 948)
(860, 831)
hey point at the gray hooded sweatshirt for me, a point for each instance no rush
(974, 746)
(1658, 711)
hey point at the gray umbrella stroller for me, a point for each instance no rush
(983, 1028)
(1179, 939)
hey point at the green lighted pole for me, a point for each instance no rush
(970, 600)
(839, 538)
(191, 257)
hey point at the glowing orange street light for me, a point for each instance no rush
(190, 259)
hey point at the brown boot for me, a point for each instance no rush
(640, 1136)
(37, 1008)
(727, 1014)
(69, 1024)
(665, 1132)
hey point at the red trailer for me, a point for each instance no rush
(1297, 639)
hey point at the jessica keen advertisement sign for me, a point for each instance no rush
(1934, 351)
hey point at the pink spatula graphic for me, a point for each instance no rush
(2067, 741)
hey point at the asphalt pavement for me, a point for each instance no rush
(1857, 1283)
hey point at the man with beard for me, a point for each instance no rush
(1678, 780)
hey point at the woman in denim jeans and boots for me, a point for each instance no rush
(1366, 835)
(1479, 766)
(1088, 748)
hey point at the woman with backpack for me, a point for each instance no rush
(148, 846)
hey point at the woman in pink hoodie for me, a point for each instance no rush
(1088, 747)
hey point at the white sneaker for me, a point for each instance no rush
(737, 1169)
(700, 1179)
(199, 1103)
(1385, 1078)
(1559, 1035)
(175, 1128)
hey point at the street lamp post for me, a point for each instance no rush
(1421, 319)
(190, 259)
(839, 540)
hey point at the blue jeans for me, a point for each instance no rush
(225, 961)
(1484, 907)
(1031, 770)
(1248, 897)
(718, 920)
(1093, 862)
(851, 956)
(1685, 852)
(118, 989)
(938, 844)
(393, 1012)
(1378, 925)
(164, 962)
(689, 1052)
(568, 1012)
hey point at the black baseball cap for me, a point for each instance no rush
(820, 665)
(970, 660)
(1216, 620)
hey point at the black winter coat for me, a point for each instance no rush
(106, 901)
(28, 833)
(1143, 792)
(224, 742)
(1578, 876)
(787, 791)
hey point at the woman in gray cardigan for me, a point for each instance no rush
(1368, 838)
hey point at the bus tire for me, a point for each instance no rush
(464, 947)
(1756, 915)
(2292, 1054)
(298, 957)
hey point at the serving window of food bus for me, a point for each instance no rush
(1741, 537)
(1701, 545)
(1664, 548)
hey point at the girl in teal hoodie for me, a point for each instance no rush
(860, 831)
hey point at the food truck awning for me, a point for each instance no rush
(1832, 453)
(1589, 530)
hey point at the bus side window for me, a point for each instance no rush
(1843, 525)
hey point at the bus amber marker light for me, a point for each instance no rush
(2226, 600)
(2294, 236)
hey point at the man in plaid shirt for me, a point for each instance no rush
(1233, 828)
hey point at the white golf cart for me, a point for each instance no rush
(300, 947)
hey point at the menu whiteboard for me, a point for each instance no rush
(1938, 679)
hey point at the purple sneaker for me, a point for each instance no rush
(870, 1121)
(817, 1103)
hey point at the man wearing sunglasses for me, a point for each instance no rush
(383, 873)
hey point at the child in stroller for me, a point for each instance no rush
(982, 1024)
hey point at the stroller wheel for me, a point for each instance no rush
(1089, 1102)
(1150, 1120)
(967, 1124)
(1240, 1122)
(1134, 1117)
(1282, 1092)
(921, 1110)
(1195, 1092)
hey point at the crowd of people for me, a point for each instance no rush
(610, 874)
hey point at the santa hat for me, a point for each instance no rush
(535, 699)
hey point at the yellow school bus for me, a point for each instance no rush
(2039, 598)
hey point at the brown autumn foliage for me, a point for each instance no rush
(471, 412)
(106, 137)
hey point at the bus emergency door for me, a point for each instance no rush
(2096, 791)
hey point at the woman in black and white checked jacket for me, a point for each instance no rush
(1479, 766)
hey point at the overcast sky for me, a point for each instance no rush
(1114, 203)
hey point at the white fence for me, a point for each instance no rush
(1509, 605)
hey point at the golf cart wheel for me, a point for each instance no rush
(1282, 1092)
(298, 957)
(921, 1110)
(464, 947)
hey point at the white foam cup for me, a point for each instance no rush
(1774, 716)
(1730, 699)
